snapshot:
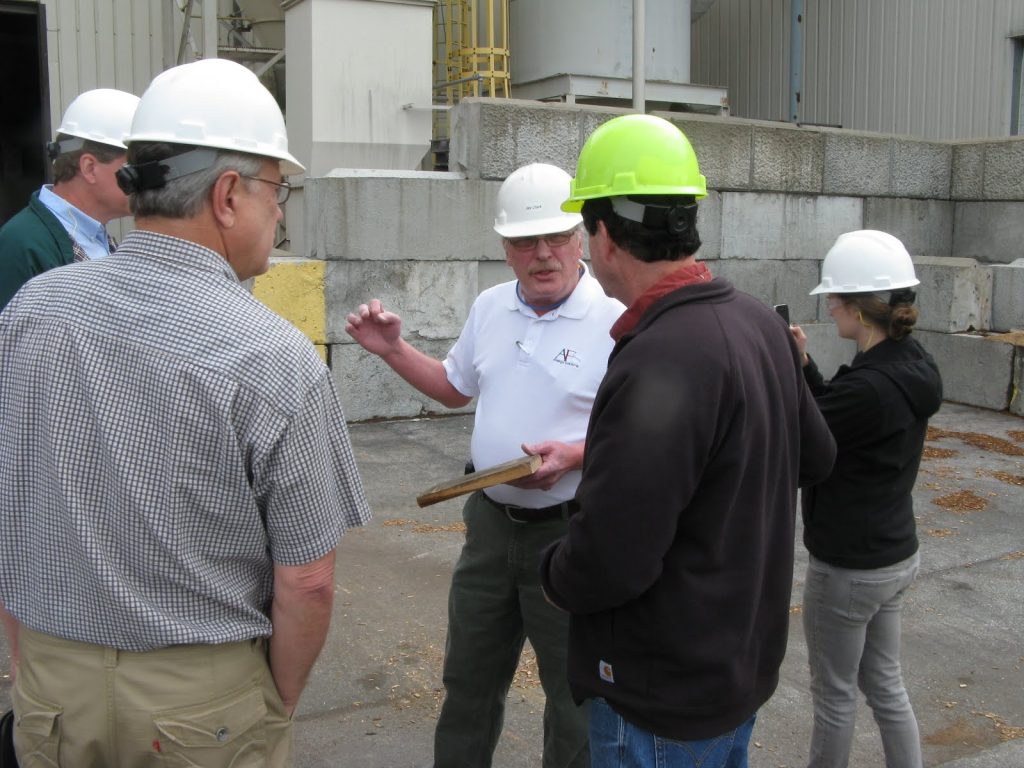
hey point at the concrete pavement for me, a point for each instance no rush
(374, 695)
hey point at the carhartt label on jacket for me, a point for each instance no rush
(604, 669)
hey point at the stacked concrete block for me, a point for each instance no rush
(709, 225)
(1017, 392)
(493, 137)
(294, 288)
(856, 164)
(399, 215)
(1004, 170)
(433, 297)
(921, 169)
(787, 158)
(1008, 296)
(975, 370)
(989, 231)
(778, 197)
(414, 240)
(955, 294)
(722, 148)
(988, 170)
(968, 171)
(774, 282)
(772, 226)
(924, 226)
(369, 389)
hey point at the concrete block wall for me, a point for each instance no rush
(779, 195)
(422, 243)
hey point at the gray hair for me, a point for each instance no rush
(185, 196)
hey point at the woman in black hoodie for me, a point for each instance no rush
(859, 525)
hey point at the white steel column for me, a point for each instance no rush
(639, 57)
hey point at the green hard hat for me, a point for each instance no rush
(635, 155)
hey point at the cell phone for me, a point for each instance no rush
(783, 309)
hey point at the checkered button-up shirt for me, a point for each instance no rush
(165, 439)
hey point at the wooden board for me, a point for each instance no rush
(483, 478)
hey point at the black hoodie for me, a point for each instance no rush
(877, 407)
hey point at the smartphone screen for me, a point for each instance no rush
(783, 309)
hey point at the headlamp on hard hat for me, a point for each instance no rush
(63, 147)
(138, 177)
(676, 218)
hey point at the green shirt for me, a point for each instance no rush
(31, 242)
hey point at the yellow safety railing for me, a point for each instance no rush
(471, 53)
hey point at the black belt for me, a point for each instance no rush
(528, 515)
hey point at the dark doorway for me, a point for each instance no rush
(25, 118)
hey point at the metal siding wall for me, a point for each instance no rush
(744, 45)
(938, 69)
(102, 44)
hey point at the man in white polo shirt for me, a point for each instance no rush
(533, 352)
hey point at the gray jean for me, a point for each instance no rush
(852, 626)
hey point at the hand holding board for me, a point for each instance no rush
(484, 478)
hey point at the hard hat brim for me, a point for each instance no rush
(548, 226)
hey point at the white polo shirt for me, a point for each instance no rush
(535, 377)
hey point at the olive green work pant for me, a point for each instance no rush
(78, 705)
(494, 604)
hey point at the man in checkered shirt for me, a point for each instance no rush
(175, 469)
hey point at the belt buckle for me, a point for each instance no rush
(508, 513)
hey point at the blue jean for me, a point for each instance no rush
(852, 625)
(616, 743)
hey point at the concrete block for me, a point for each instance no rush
(921, 168)
(1008, 296)
(1017, 393)
(1004, 169)
(827, 348)
(975, 371)
(759, 225)
(992, 232)
(954, 295)
(709, 225)
(968, 171)
(514, 136)
(294, 289)
(369, 389)
(493, 137)
(774, 282)
(491, 273)
(390, 215)
(924, 226)
(856, 164)
(787, 159)
(433, 298)
(723, 148)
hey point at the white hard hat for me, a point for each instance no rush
(530, 202)
(214, 103)
(103, 115)
(866, 261)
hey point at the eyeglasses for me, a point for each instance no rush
(284, 189)
(556, 240)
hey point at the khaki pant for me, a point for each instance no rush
(82, 706)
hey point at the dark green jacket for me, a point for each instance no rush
(31, 242)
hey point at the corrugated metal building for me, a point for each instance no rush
(52, 50)
(938, 69)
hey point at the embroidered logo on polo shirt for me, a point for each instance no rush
(604, 669)
(568, 357)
